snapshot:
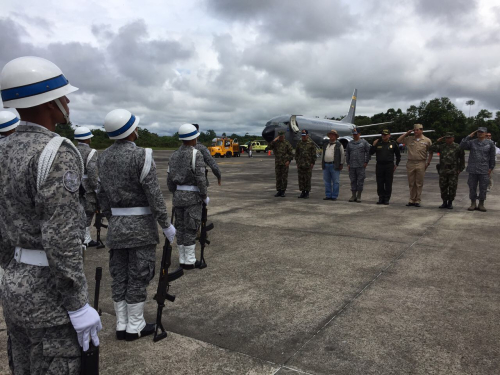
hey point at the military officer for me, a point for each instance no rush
(8, 123)
(357, 157)
(283, 155)
(88, 196)
(385, 152)
(45, 296)
(480, 165)
(131, 199)
(186, 180)
(208, 159)
(451, 164)
(305, 157)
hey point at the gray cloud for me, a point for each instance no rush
(451, 11)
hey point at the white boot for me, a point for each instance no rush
(135, 313)
(182, 255)
(121, 319)
(87, 236)
(191, 261)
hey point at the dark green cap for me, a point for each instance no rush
(386, 131)
(449, 135)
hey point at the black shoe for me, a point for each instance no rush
(302, 195)
(282, 195)
(327, 198)
(92, 243)
(444, 205)
(333, 199)
(149, 329)
(417, 205)
(306, 195)
(386, 202)
(278, 194)
(409, 204)
(450, 205)
(120, 335)
(192, 266)
(380, 201)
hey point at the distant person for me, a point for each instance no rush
(480, 165)
(208, 159)
(249, 149)
(419, 158)
(451, 164)
(8, 123)
(283, 155)
(357, 158)
(490, 183)
(385, 151)
(305, 157)
(332, 163)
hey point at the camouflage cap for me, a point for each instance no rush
(418, 126)
(385, 132)
(281, 132)
(355, 131)
(304, 132)
(449, 135)
(333, 131)
(482, 129)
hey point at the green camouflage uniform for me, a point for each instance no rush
(451, 162)
(283, 152)
(305, 156)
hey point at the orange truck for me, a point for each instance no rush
(223, 146)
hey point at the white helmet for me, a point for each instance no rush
(8, 121)
(120, 123)
(188, 132)
(82, 133)
(30, 81)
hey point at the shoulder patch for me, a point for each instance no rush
(71, 181)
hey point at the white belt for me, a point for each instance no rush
(33, 257)
(188, 188)
(131, 211)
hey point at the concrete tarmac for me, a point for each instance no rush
(298, 286)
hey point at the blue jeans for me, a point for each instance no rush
(331, 177)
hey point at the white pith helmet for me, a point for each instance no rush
(82, 133)
(8, 121)
(30, 81)
(120, 123)
(188, 132)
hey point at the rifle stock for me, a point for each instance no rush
(98, 225)
(204, 241)
(90, 358)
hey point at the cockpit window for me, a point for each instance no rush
(219, 143)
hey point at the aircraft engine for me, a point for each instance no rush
(345, 141)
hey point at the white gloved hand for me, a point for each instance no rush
(170, 233)
(206, 200)
(86, 322)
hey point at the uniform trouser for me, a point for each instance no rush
(305, 175)
(475, 180)
(47, 351)
(448, 183)
(416, 172)
(357, 176)
(131, 269)
(331, 178)
(89, 215)
(281, 177)
(187, 222)
(385, 175)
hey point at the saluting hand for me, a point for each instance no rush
(440, 139)
(473, 133)
(375, 142)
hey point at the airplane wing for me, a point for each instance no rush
(379, 135)
(380, 123)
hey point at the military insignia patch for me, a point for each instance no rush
(71, 181)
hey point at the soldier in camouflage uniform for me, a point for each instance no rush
(88, 195)
(186, 180)
(45, 297)
(305, 157)
(131, 199)
(208, 159)
(283, 155)
(481, 163)
(357, 157)
(451, 164)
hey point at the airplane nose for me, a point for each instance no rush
(268, 133)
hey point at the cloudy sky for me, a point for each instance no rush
(231, 65)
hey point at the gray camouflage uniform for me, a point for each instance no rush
(132, 239)
(481, 159)
(89, 182)
(357, 154)
(36, 299)
(188, 204)
(209, 160)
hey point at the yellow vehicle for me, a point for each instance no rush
(224, 146)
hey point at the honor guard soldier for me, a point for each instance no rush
(90, 178)
(357, 157)
(131, 199)
(305, 157)
(480, 165)
(208, 159)
(451, 164)
(8, 123)
(45, 296)
(283, 155)
(186, 180)
(385, 152)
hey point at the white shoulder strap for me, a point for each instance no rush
(91, 154)
(147, 164)
(49, 154)
(193, 162)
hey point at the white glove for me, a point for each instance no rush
(86, 322)
(170, 233)
(206, 200)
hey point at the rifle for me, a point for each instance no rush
(163, 287)
(98, 225)
(203, 235)
(90, 358)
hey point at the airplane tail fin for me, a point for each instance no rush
(352, 109)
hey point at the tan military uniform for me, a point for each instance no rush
(418, 149)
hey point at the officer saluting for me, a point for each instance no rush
(45, 297)
(131, 200)
(186, 180)
(90, 178)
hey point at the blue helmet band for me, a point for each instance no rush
(124, 128)
(34, 88)
(188, 135)
(7, 124)
(83, 135)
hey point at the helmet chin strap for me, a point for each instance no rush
(63, 110)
